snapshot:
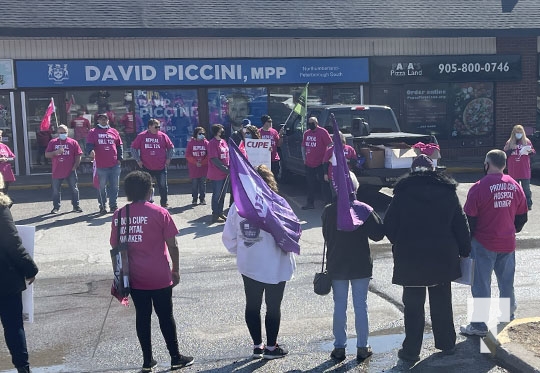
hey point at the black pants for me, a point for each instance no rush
(442, 320)
(11, 314)
(161, 183)
(273, 295)
(162, 301)
(275, 169)
(316, 184)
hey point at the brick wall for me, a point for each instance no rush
(516, 101)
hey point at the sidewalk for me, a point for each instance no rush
(179, 176)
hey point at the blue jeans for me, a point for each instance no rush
(162, 185)
(485, 262)
(217, 202)
(340, 290)
(198, 186)
(108, 176)
(11, 316)
(526, 185)
(57, 190)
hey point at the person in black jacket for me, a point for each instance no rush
(16, 267)
(429, 233)
(349, 261)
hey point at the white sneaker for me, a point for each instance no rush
(471, 330)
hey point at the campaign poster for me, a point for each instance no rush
(258, 152)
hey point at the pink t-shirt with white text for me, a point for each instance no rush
(153, 149)
(519, 166)
(105, 141)
(62, 165)
(349, 152)
(217, 149)
(272, 135)
(81, 127)
(495, 200)
(315, 144)
(5, 167)
(197, 152)
(150, 225)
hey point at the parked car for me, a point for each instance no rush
(363, 126)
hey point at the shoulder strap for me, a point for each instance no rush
(118, 224)
(323, 257)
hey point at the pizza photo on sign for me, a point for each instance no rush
(478, 116)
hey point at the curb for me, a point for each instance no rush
(187, 180)
(85, 184)
(514, 356)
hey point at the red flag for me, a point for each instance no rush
(95, 179)
(46, 121)
(69, 104)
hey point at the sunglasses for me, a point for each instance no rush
(312, 123)
(158, 127)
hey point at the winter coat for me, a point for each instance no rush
(15, 263)
(427, 228)
(347, 253)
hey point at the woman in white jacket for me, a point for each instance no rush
(265, 268)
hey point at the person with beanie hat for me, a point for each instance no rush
(426, 252)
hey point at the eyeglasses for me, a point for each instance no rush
(158, 127)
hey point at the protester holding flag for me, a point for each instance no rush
(349, 261)
(264, 266)
(350, 157)
(218, 170)
(104, 144)
(347, 224)
(429, 232)
(66, 157)
(17, 268)
(316, 141)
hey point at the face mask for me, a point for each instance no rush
(247, 135)
(100, 126)
(519, 136)
(62, 136)
(312, 126)
(200, 136)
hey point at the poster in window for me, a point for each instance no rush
(426, 109)
(472, 109)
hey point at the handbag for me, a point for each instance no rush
(322, 283)
(120, 287)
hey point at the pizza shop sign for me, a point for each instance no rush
(425, 69)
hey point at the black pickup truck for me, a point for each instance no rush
(363, 126)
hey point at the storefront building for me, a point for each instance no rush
(468, 85)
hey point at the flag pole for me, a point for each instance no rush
(54, 111)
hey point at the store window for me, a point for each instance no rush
(5, 121)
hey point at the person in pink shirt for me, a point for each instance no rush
(518, 149)
(267, 132)
(197, 161)
(6, 157)
(104, 145)
(153, 151)
(128, 123)
(65, 154)
(316, 141)
(151, 241)
(218, 171)
(496, 209)
(81, 127)
(350, 156)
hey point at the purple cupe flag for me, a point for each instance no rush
(350, 213)
(259, 204)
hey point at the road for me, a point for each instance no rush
(72, 297)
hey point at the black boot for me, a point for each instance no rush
(25, 369)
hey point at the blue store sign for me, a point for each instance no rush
(108, 73)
